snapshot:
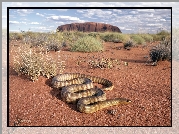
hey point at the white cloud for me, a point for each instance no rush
(49, 14)
(157, 24)
(145, 10)
(41, 29)
(128, 29)
(162, 20)
(60, 9)
(17, 22)
(13, 22)
(34, 23)
(64, 18)
(40, 14)
(59, 23)
(23, 22)
(24, 12)
(117, 10)
(133, 12)
(89, 13)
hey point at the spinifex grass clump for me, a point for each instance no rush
(161, 52)
(147, 37)
(114, 37)
(87, 44)
(138, 39)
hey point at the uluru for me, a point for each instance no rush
(89, 27)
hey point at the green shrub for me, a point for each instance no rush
(87, 44)
(106, 36)
(138, 39)
(120, 37)
(114, 37)
(147, 37)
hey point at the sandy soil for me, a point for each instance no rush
(149, 88)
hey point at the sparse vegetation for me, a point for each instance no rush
(30, 61)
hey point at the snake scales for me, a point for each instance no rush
(79, 88)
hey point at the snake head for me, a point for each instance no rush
(124, 100)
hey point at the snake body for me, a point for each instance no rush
(79, 88)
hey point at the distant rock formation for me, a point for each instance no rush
(89, 27)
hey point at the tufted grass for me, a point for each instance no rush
(138, 39)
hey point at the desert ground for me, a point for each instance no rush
(148, 87)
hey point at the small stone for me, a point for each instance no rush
(112, 112)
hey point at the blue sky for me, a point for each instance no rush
(128, 20)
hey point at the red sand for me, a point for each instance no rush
(149, 88)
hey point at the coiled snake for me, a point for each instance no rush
(79, 87)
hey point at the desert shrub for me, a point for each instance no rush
(103, 63)
(51, 40)
(27, 62)
(161, 52)
(129, 43)
(87, 44)
(137, 38)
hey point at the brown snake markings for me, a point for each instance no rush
(79, 87)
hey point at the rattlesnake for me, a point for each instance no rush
(79, 88)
